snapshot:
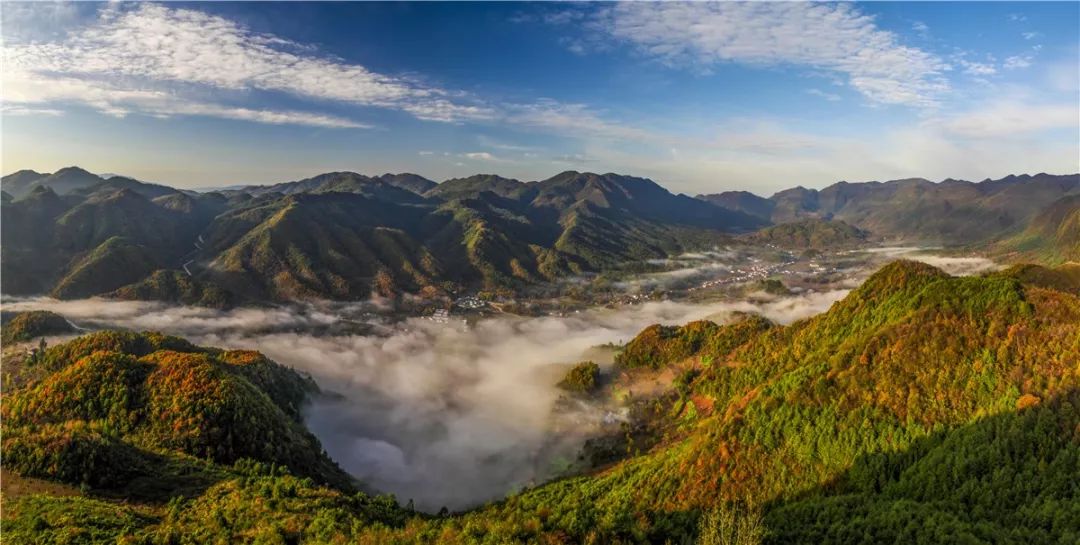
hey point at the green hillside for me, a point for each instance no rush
(343, 235)
(1053, 236)
(810, 234)
(26, 326)
(922, 408)
(948, 212)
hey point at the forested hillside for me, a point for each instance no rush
(921, 408)
(949, 212)
(344, 235)
(339, 235)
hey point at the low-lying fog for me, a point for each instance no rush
(443, 414)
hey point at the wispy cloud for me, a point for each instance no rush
(157, 49)
(1009, 118)
(9, 109)
(973, 68)
(832, 97)
(836, 38)
(572, 119)
(1017, 61)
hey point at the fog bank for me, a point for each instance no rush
(438, 413)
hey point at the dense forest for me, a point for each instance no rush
(921, 408)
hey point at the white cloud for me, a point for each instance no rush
(832, 97)
(921, 28)
(1017, 61)
(972, 68)
(156, 47)
(829, 37)
(480, 156)
(8, 109)
(572, 120)
(1009, 118)
(1030, 35)
(25, 91)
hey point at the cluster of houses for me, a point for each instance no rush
(470, 302)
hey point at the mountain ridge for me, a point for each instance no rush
(481, 232)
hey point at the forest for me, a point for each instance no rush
(921, 408)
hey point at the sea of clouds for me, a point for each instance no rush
(443, 414)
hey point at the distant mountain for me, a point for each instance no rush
(743, 201)
(950, 212)
(341, 235)
(814, 234)
(346, 235)
(479, 183)
(1052, 236)
(63, 181)
(398, 187)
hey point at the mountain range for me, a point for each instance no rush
(344, 235)
(948, 212)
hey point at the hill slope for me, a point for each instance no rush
(922, 408)
(1052, 236)
(342, 235)
(949, 212)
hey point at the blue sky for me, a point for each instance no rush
(700, 97)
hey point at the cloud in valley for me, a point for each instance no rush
(438, 413)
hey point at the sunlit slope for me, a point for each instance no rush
(1053, 236)
(113, 408)
(922, 408)
(340, 235)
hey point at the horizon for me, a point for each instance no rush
(763, 98)
(209, 189)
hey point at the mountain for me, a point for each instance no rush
(34, 324)
(743, 201)
(812, 234)
(344, 235)
(393, 187)
(921, 408)
(413, 182)
(151, 411)
(472, 186)
(63, 181)
(78, 246)
(949, 212)
(348, 235)
(1052, 236)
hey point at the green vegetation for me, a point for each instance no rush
(582, 378)
(175, 287)
(922, 408)
(115, 403)
(810, 234)
(660, 345)
(112, 264)
(339, 235)
(33, 324)
(1052, 236)
(949, 212)
(773, 286)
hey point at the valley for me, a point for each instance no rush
(469, 358)
(539, 273)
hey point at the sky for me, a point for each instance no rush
(701, 97)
